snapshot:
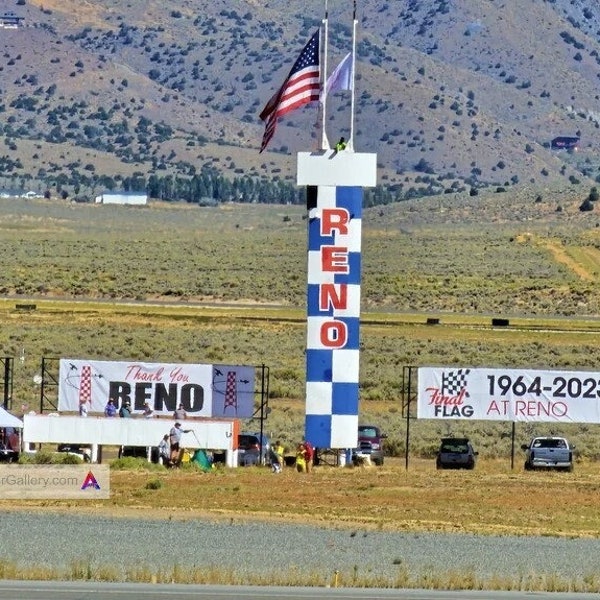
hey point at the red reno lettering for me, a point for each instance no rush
(334, 259)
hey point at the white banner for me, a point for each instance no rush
(214, 434)
(202, 390)
(508, 395)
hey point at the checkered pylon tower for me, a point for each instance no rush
(335, 182)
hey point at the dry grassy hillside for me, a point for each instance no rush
(228, 285)
(448, 95)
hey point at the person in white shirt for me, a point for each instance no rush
(83, 409)
(175, 438)
(164, 451)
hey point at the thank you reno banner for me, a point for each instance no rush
(203, 390)
(508, 395)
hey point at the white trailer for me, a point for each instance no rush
(206, 434)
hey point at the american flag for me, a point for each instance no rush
(301, 86)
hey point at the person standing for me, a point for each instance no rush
(309, 455)
(180, 413)
(175, 442)
(148, 412)
(83, 409)
(164, 452)
(301, 458)
(110, 410)
(125, 411)
(279, 452)
(274, 460)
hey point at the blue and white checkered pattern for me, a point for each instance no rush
(332, 373)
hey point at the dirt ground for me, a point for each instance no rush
(492, 499)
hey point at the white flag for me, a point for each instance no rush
(341, 78)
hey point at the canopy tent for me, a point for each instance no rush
(8, 420)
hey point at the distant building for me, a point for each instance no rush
(136, 198)
(5, 193)
(565, 143)
(9, 20)
(31, 194)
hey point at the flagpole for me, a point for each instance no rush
(353, 76)
(324, 141)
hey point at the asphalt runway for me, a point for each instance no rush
(58, 590)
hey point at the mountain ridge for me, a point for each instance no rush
(449, 97)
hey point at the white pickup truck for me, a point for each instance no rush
(548, 453)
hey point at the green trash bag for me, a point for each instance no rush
(202, 460)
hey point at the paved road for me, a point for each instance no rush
(57, 590)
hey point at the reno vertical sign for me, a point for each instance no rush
(333, 317)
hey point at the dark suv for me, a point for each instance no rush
(8, 455)
(456, 453)
(250, 451)
(370, 441)
(140, 452)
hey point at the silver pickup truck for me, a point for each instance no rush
(548, 453)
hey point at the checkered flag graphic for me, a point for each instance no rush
(231, 391)
(455, 381)
(85, 384)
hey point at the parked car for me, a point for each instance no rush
(548, 453)
(252, 449)
(8, 456)
(370, 442)
(139, 452)
(456, 453)
(81, 451)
